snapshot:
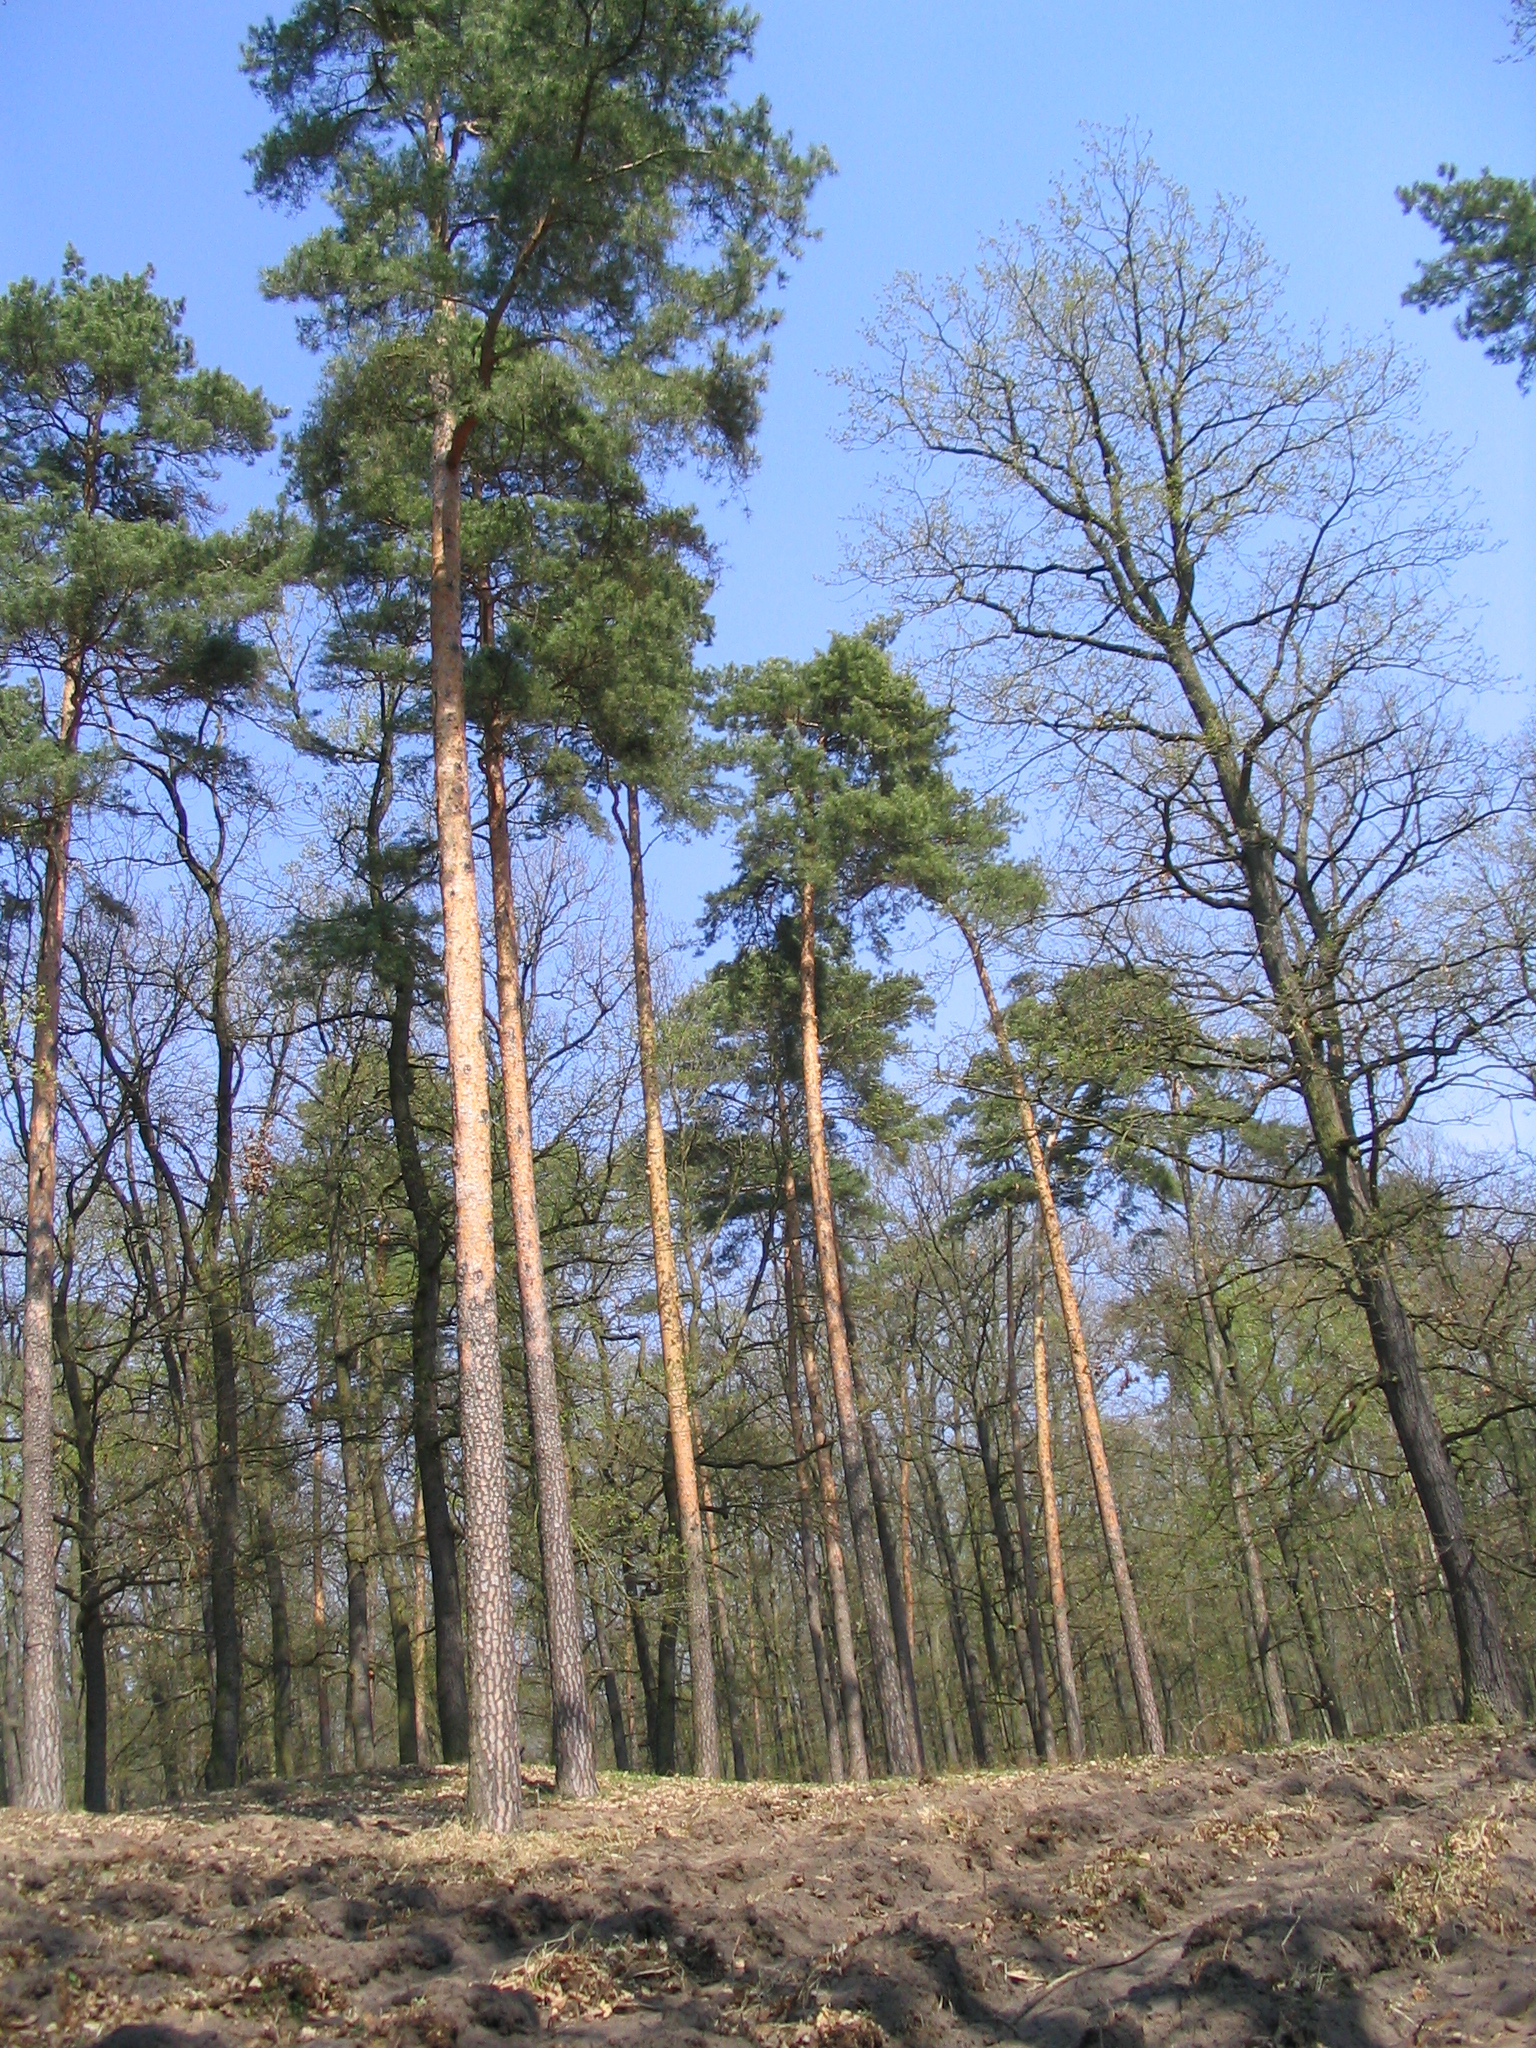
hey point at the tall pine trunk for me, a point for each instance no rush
(495, 1790)
(42, 1727)
(571, 1708)
(669, 1312)
(1077, 1351)
(900, 1738)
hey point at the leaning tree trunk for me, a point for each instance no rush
(1051, 1523)
(900, 1739)
(571, 1708)
(831, 1526)
(1272, 1676)
(1077, 1352)
(610, 1677)
(495, 1790)
(447, 1620)
(42, 1728)
(669, 1311)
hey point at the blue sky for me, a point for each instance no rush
(127, 122)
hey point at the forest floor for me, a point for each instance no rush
(1353, 1897)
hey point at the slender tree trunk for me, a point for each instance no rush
(646, 1664)
(610, 1678)
(495, 1791)
(571, 1708)
(397, 1598)
(224, 1750)
(359, 1688)
(447, 1621)
(885, 1530)
(832, 1539)
(92, 1624)
(965, 1656)
(1077, 1352)
(1050, 1520)
(1021, 1501)
(282, 1641)
(991, 1471)
(669, 1311)
(419, 1622)
(1330, 1693)
(836, 1769)
(999, 1689)
(946, 1715)
(317, 1556)
(42, 1727)
(900, 1738)
(1272, 1678)
(723, 1623)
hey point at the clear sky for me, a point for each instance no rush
(126, 122)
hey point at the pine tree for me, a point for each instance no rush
(510, 178)
(109, 437)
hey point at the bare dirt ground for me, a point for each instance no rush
(1350, 1897)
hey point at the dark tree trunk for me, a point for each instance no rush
(1306, 1009)
(610, 1678)
(645, 1662)
(1003, 1536)
(282, 1645)
(965, 1656)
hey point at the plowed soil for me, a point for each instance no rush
(1375, 1894)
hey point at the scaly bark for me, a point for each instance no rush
(42, 1727)
(495, 1790)
(571, 1708)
